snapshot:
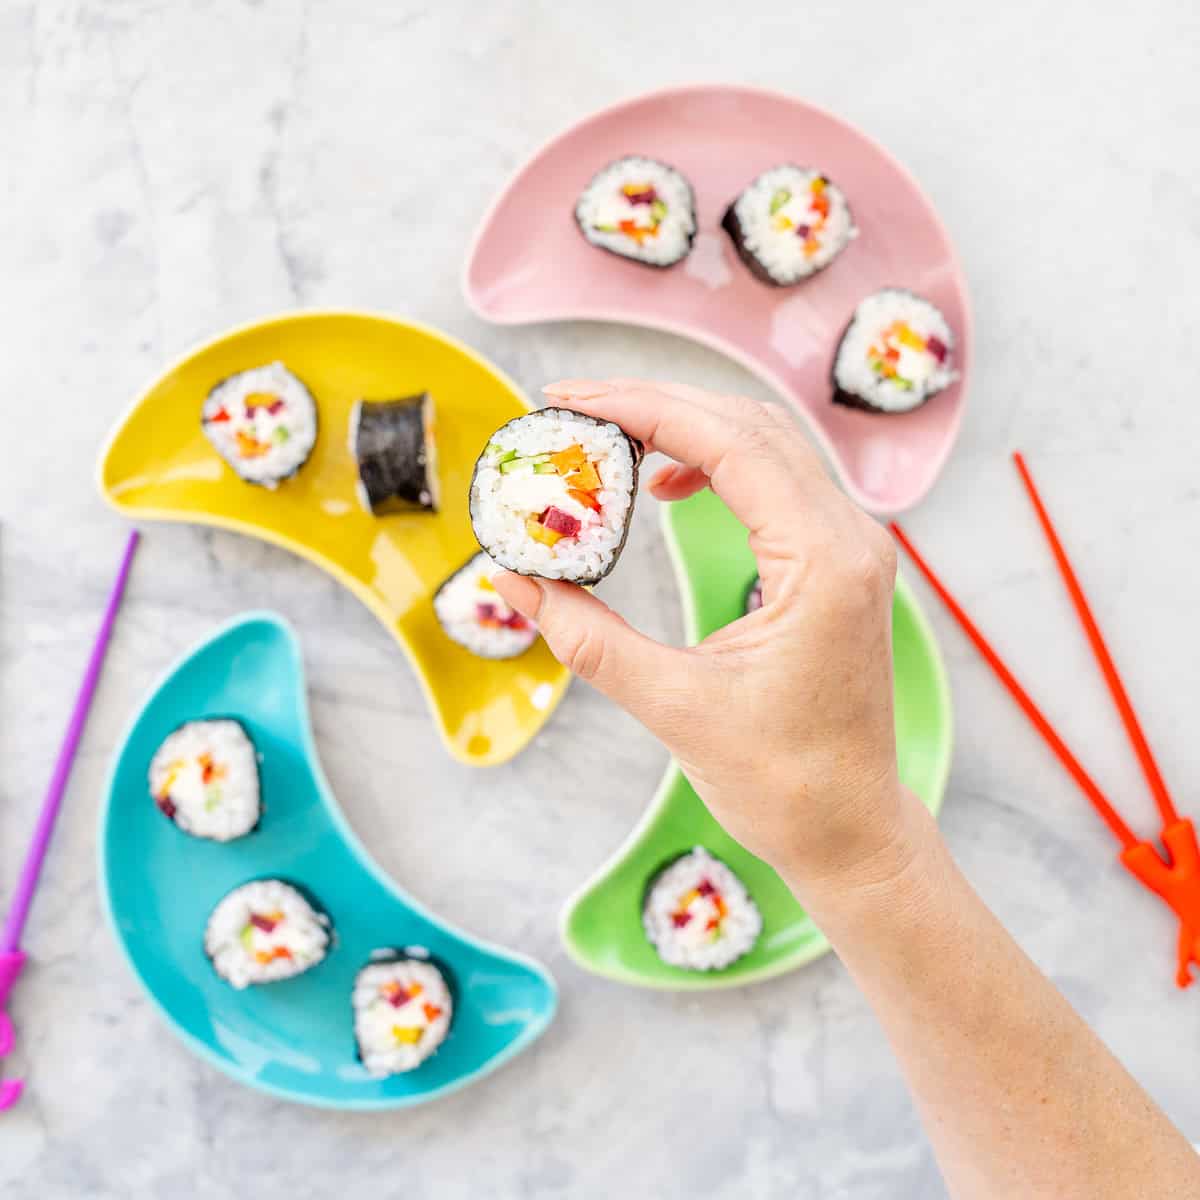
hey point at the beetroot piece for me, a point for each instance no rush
(680, 919)
(937, 348)
(647, 197)
(705, 888)
(399, 998)
(561, 522)
(266, 924)
(485, 612)
(803, 230)
(166, 806)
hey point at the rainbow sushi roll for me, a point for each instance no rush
(698, 914)
(896, 352)
(265, 931)
(790, 223)
(262, 422)
(476, 616)
(552, 495)
(403, 1010)
(392, 444)
(204, 778)
(641, 209)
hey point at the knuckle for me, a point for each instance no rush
(756, 440)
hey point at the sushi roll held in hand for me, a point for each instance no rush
(896, 353)
(698, 914)
(263, 932)
(789, 224)
(402, 1013)
(262, 422)
(476, 616)
(552, 495)
(392, 443)
(204, 777)
(641, 209)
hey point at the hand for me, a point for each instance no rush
(783, 720)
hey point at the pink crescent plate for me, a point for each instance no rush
(530, 263)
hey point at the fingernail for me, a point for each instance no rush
(578, 389)
(523, 593)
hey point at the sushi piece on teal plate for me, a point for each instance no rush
(293, 1038)
(601, 924)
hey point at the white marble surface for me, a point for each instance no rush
(172, 169)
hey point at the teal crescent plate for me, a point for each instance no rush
(601, 924)
(293, 1039)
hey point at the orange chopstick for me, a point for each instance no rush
(1120, 697)
(1086, 783)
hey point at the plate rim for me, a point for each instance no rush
(247, 529)
(820, 946)
(714, 341)
(532, 1031)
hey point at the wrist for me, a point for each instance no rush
(882, 849)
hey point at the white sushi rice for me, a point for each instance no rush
(877, 329)
(402, 1014)
(698, 914)
(262, 422)
(204, 777)
(263, 932)
(476, 616)
(778, 225)
(502, 502)
(657, 230)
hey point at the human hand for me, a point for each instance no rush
(783, 720)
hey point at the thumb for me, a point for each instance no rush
(643, 676)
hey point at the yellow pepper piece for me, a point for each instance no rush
(408, 1035)
(817, 186)
(906, 337)
(485, 584)
(540, 533)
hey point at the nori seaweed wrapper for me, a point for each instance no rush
(390, 443)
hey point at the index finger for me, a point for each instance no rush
(734, 441)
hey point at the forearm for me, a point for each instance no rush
(1018, 1096)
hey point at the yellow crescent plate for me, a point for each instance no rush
(158, 465)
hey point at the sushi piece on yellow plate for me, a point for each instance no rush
(162, 463)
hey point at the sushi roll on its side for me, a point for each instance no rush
(403, 1009)
(896, 353)
(204, 777)
(639, 208)
(476, 616)
(265, 931)
(262, 422)
(790, 223)
(392, 443)
(698, 914)
(552, 495)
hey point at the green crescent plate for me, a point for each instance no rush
(601, 924)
